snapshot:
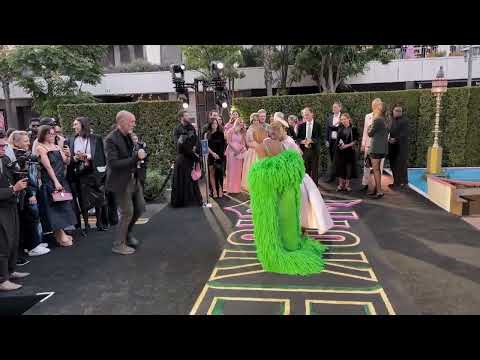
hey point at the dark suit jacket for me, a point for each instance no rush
(316, 135)
(121, 166)
(329, 127)
(99, 159)
(7, 198)
(379, 134)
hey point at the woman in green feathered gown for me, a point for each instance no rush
(274, 183)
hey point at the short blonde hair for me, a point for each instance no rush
(16, 136)
(122, 115)
(253, 117)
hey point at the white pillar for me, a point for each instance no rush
(153, 54)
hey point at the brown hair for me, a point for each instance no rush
(347, 115)
(42, 133)
(85, 124)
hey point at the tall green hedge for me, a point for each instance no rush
(155, 123)
(472, 150)
(459, 120)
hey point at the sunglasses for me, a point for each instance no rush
(3, 146)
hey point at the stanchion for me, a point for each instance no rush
(205, 162)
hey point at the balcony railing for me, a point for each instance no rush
(413, 52)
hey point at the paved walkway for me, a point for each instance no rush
(398, 255)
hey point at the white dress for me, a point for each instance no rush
(314, 213)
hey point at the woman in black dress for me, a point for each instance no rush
(54, 159)
(185, 190)
(345, 154)
(88, 171)
(216, 157)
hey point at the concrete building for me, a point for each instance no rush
(401, 73)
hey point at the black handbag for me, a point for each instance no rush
(83, 167)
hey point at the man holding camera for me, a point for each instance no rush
(9, 223)
(123, 181)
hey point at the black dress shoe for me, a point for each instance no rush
(365, 188)
(132, 242)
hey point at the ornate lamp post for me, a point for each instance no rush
(434, 156)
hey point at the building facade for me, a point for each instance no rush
(404, 72)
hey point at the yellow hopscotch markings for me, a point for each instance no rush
(369, 304)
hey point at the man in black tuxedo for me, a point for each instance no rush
(331, 124)
(308, 137)
(122, 180)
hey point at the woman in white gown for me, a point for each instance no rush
(314, 214)
(251, 155)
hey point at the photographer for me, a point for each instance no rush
(26, 166)
(9, 223)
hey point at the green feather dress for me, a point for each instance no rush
(274, 184)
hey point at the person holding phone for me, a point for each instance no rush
(59, 209)
(9, 223)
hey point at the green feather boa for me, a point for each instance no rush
(274, 184)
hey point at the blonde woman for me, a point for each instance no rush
(378, 131)
(251, 155)
(314, 213)
(236, 149)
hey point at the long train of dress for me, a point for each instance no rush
(314, 212)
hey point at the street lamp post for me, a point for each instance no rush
(434, 155)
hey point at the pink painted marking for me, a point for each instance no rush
(247, 237)
(350, 216)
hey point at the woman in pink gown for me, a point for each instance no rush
(236, 149)
(314, 212)
(233, 117)
(251, 155)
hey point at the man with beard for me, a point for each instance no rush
(185, 190)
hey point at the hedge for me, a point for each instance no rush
(459, 120)
(155, 123)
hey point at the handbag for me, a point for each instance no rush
(58, 196)
(196, 172)
(83, 167)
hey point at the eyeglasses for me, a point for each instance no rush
(3, 146)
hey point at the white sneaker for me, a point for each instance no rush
(39, 250)
(45, 245)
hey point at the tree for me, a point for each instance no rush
(54, 74)
(7, 76)
(199, 57)
(282, 59)
(268, 56)
(252, 56)
(330, 65)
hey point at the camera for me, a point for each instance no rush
(20, 167)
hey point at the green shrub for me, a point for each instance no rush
(153, 184)
(472, 146)
(155, 123)
(356, 104)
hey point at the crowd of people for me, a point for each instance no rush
(50, 183)
(232, 149)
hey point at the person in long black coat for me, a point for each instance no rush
(398, 147)
(89, 184)
(185, 191)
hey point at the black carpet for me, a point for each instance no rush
(166, 274)
(356, 280)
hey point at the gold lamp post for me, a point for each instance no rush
(434, 155)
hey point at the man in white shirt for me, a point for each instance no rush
(366, 140)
